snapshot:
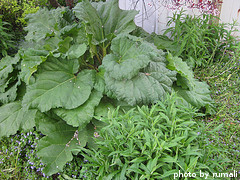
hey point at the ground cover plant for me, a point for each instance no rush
(154, 143)
(224, 81)
(73, 70)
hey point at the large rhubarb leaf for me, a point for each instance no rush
(13, 117)
(128, 56)
(6, 67)
(198, 96)
(82, 115)
(8, 79)
(144, 88)
(31, 60)
(43, 23)
(76, 51)
(136, 71)
(10, 93)
(105, 19)
(59, 85)
(176, 63)
(55, 149)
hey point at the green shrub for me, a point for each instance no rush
(154, 143)
(199, 40)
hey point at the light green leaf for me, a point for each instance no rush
(64, 45)
(31, 60)
(10, 94)
(56, 148)
(142, 89)
(13, 118)
(176, 64)
(104, 19)
(6, 66)
(128, 57)
(198, 96)
(59, 85)
(82, 115)
(43, 23)
(136, 72)
(76, 51)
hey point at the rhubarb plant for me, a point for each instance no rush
(78, 64)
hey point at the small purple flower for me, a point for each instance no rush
(96, 135)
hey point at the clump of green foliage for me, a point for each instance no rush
(199, 40)
(77, 66)
(154, 143)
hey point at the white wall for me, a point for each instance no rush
(229, 13)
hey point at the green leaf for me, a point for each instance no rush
(64, 45)
(51, 44)
(129, 55)
(103, 108)
(82, 115)
(31, 60)
(43, 23)
(136, 72)
(8, 78)
(59, 85)
(176, 64)
(99, 80)
(13, 118)
(198, 96)
(142, 89)
(104, 19)
(55, 149)
(76, 51)
(10, 93)
(6, 67)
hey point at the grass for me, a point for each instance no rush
(224, 80)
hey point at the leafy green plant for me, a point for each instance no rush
(5, 42)
(154, 143)
(200, 39)
(71, 69)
